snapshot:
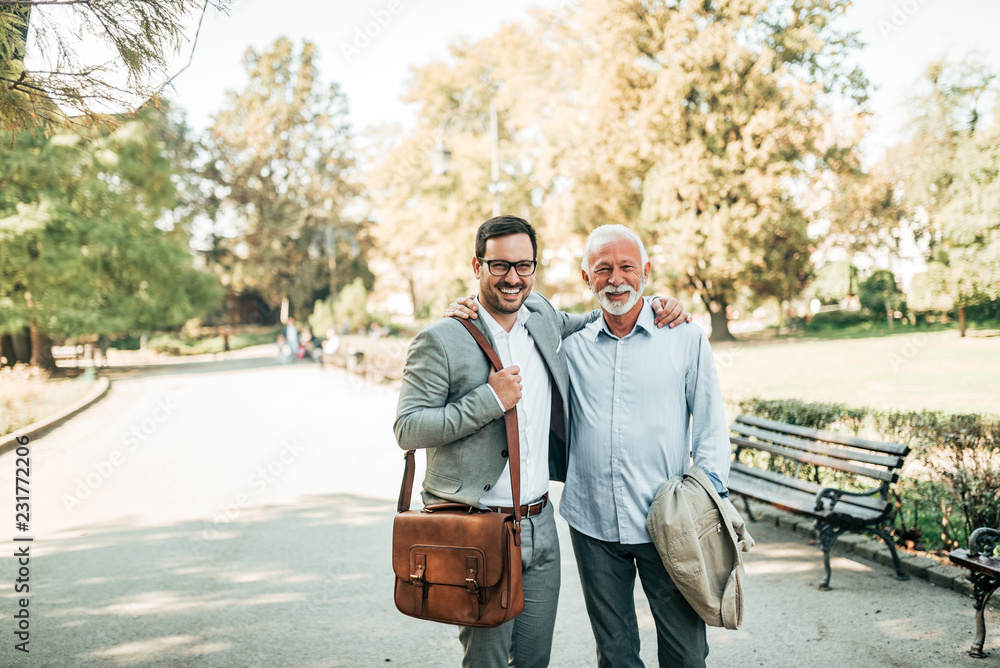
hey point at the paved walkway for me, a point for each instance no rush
(238, 514)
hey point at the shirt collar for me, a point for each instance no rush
(643, 324)
(495, 329)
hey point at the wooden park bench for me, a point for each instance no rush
(819, 474)
(984, 571)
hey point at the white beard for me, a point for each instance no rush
(620, 308)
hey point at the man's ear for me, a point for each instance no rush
(646, 270)
(586, 279)
(476, 266)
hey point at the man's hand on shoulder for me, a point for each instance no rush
(463, 307)
(669, 311)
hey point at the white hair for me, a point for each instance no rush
(603, 235)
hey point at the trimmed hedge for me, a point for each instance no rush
(953, 471)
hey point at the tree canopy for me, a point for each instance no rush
(280, 151)
(80, 249)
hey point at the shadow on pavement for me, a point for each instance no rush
(309, 585)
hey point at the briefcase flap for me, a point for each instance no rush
(445, 541)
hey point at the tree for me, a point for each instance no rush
(702, 121)
(80, 249)
(946, 170)
(969, 244)
(427, 217)
(280, 149)
(140, 35)
(879, 292)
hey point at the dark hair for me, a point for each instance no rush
(503, 226)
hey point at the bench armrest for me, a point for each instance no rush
(983, 540)
(834, 495)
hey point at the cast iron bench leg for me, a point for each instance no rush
(828, 534)
(983, 587)
(746, 504)
(884, 534)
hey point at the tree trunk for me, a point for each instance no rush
(7, 350)
(888, 313)
(412, 285)
(961, 320)
(720, 322)
(41, 349)
(22, 346)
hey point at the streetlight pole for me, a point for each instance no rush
(495, 141)
(441, 156)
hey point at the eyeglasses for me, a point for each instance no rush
(501, 267)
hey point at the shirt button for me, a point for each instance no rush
(618, 370)
(616, 430)
(487, 488)
(503, 454)
(618, 401)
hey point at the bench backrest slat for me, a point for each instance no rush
(816, 460)
(867, 457)
(873, 502)
(828, 436)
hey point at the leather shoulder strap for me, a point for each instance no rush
(510, 422)
(406, 489)
(513, 444)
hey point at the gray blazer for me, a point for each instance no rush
(446, 406)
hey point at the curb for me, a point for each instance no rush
(9, 442)
(936, 573)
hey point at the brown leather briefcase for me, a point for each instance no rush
(458, 564)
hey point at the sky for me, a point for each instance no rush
(369, 46)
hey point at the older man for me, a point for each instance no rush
(452, 404)
(643, 402)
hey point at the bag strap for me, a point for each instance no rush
(513, 445)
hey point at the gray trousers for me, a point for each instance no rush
(525, 641)
(607, 573)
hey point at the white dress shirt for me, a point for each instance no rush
(517, 348)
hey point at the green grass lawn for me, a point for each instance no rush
(929, 370)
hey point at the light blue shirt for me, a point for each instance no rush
(641, 408)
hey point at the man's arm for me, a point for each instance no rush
(424, 418)
(710, 444)
(669, 311)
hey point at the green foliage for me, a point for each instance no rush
(831, 281)
(172, 344)
(280, 149)
(346, 313)
(837, 319)
(81, 251)
(142, 36)
(737, 93)
(879, 294)
(954, 466)
(949, 171)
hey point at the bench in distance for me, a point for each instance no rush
(819, 474)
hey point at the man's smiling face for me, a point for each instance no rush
(504, 294)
